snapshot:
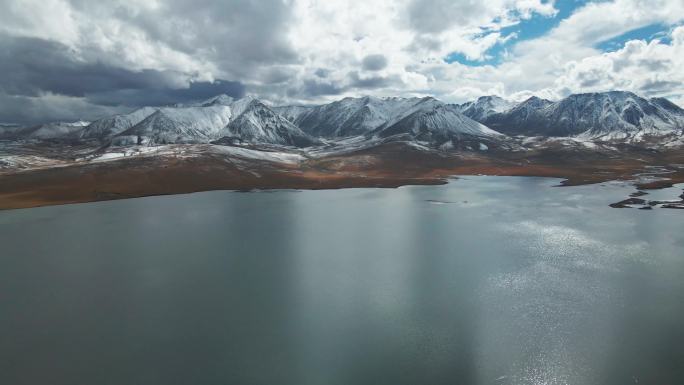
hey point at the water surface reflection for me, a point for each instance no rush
(487, 280)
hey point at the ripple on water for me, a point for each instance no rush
(535, 308)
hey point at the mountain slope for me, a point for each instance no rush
(104, 129)
(523, 119)
(667, 105)
(219, 119)
(351, 116)
(291, 113)
(257, 123)
(437, 123)
(107, 128)
(178, 125)
(609, 115)
(484, 107)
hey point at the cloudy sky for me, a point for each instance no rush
(82, 59)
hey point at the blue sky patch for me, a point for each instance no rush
(527, 29)
(647, 33)
(491, 59)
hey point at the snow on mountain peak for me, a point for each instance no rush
(242, 120)
(613, 115)
(485, 106)
(220, 99)
(606, 115)
(430, 120)
(256, 122)
(351, 116)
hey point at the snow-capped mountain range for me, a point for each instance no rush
(426, 120)
(47, 131)
(247, 119)
(614, 116)
(349, 116)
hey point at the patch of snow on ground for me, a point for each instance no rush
(278, 157)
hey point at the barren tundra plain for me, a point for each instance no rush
(43, 175)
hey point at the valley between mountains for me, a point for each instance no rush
(245, 144)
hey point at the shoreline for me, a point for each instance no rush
(388, 166)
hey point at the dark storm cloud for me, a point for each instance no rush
(25, 110)
(160, 97)
(30, 67)
(374, 62)
(245, 40)
(31, 110)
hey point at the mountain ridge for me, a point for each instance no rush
(607, 115)
(604, 116)
(484, 106)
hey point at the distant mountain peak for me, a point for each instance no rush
(612, 115)
(221, 99)
(535, 99)
(351, 116)
(598, 115)
(257, 122)
(443, 125)
(245, 120)
(485, 106)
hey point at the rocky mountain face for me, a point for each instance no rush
(519, 120)
(667, 105)
(106, 128)
(426, 120)
(614, 115)
(258, 123)
(484, 107)
(437, 123)
(178, 125)
(245, 120)
(349, 116)
(291, 113)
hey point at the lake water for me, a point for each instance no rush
(487, 280)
